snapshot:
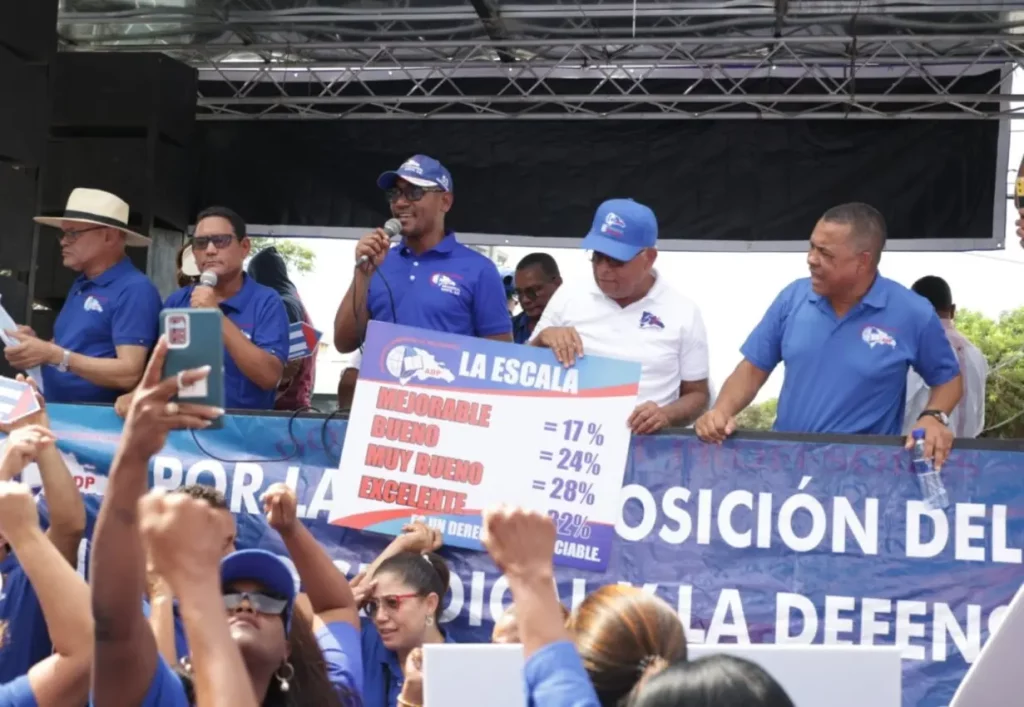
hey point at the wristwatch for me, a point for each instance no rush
(937, 414)
(65, 362)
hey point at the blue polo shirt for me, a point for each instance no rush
(521, 328)
(848, 375)
(451, 288)
(119, 307)
(555, 677)
(180, 639)
(382, 675)
(27, 640)
(259, 312)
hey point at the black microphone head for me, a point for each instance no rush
(208, 278)
(392, 227)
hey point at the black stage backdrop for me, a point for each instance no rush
(733, 180)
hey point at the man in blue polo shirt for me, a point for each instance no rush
(429, 280)
(255, 322)
(109, 321)
(847, 337)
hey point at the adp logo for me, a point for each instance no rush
(408, 363)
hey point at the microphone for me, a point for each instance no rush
(392, 227)
(208, 279)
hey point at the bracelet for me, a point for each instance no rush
(404, 703)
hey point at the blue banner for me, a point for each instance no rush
(755, 540)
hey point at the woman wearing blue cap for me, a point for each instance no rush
(240, 621)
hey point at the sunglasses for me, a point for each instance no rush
(410, 193)
(219, 241)
(598, 258)
(390, 602)
(530, 293)
(260, 602)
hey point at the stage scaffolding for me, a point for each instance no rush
(574, 60)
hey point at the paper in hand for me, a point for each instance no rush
(7, 324)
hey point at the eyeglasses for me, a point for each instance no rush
(260, 602)
(74, 235)
(220, 241)
(390, 602)
(530, 293)
(410, 193)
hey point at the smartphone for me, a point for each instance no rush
(195, 339)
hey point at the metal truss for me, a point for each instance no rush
(820, 78)
(580, 59)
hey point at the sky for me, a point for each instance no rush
(732, 289)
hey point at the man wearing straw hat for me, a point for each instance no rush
(109, 321)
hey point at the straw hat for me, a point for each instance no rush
(96, 207)
(188, 263)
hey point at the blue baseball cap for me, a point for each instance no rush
(265, 568)
(621, 229)
(508, 279)
(420, 170)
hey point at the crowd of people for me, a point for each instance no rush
(174, 614)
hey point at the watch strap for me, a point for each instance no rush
(937, 414)
(65, 361)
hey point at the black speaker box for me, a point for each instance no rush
(17, 207)
(28, 29)
(123, 94)
(24, 110)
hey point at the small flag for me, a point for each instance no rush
(17, 400)
(302, 340)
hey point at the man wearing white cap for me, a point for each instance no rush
(109, 321)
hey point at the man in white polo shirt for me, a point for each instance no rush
(629, 312)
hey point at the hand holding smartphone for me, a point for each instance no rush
(195, 338)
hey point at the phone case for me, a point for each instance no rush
(195, 339)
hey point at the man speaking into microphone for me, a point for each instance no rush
(429, 279)
(255, 322)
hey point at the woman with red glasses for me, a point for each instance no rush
(401, 595)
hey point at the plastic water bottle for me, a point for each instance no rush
(932, 490)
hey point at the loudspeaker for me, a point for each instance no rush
(123, 94)
(28, 29)
(24, 112)
(17, 207)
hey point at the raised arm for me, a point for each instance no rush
(126, 653)
(330, 596)
(185, 543)
(63, 678)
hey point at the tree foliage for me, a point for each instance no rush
(1002, 342)
(759, 416)
(298, 257)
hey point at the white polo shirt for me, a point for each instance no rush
(663, 332)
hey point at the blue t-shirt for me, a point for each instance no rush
(848, 375)
(341, 646)
(27, 641)
(119, 307)
(259, 312)
(17, 693)
(165, 689)
(451, 288)
(555, 677)
(382, 674)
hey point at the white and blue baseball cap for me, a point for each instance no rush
(264, 568)
(420, 170)
(621, 229)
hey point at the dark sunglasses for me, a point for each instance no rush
(410, 193)
(390, 602)
(220, 242)
(74, 235)
(530, 293)
(260, 602)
